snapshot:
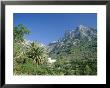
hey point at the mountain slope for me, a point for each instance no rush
(80, 43)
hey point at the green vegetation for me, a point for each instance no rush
(30, 58)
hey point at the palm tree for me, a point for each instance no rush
(37, 53)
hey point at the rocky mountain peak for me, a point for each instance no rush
(82, 27)
(73, 38)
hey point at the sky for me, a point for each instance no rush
(49, 27)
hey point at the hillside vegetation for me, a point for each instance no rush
(73, 54)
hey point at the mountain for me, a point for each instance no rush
(80, 42)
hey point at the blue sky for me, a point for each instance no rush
(48, 27)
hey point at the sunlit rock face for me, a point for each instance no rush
(50, 60)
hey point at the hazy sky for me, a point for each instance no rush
(48, 27)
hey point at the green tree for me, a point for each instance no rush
(87, 70)
(19, 32)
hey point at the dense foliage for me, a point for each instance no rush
(74, 55)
